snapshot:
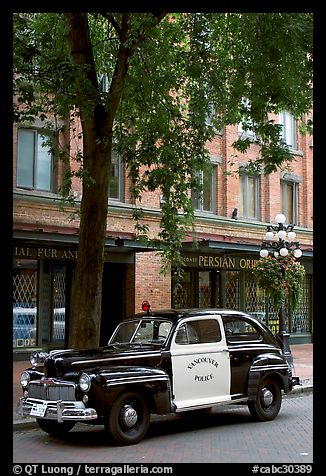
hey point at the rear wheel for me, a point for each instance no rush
(55, 428)
(268, 402)
(129, 419)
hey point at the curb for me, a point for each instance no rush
(299, 390)
(20, 425)
(23, 424)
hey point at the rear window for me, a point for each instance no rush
(239, 330)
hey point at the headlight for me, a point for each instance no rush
(37, 358)
(85, 382)
(25, 379)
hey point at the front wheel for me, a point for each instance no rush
(129, 419)
(55, 428)
(268, 402)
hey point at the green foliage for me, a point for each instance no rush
(282, 278)
(176, 71)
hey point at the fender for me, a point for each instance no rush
(35, 373)
(154, 383)
(268, 364)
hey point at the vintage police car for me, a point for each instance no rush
(159, 362)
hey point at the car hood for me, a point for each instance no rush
(62, 362)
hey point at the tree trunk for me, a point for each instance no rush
(97, 124)
(86, 300)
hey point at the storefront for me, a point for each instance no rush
(43, 268)
(217, 277)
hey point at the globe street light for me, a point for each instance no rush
(279, 240)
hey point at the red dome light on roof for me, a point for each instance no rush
(146, 306)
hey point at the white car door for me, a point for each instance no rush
(200, 363)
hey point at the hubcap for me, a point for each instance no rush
(129, 416)
(267, 397)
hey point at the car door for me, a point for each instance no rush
(200, 363)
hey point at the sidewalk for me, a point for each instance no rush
(302, 368)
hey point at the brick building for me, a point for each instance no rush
(231, 219)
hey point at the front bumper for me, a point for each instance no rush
(296, 381)
(58, 410)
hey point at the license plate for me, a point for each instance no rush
(38, 409)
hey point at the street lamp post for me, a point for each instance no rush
(279, 241)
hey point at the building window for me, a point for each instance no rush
(116, 178)
(245, 133)
(245, 127)
(205, 201)
(288, 133)
(289, 201)
(25, 307)
(210, 119)
(249, 196)
(34, 160)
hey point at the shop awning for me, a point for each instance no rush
(230, 247)
(118, 244)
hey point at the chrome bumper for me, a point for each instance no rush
(55, 410)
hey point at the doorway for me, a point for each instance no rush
(113, 299)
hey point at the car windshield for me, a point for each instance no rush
(141, 331)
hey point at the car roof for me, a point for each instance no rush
(175, 314)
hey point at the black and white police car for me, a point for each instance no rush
(159, 362)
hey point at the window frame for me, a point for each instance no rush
(198, 199)
(120, 177)
(289, 129)
(295, 200)
(37, 134)
(210, 119)
(246, 133)
(195, 332)
(245, 335)
(245, 196)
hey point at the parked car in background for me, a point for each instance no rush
(25, 324)
(159, 362)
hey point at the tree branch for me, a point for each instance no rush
(114, 23)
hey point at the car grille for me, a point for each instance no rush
(50, 390)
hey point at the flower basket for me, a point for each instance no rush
(282, 279)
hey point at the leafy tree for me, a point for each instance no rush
(164, 72)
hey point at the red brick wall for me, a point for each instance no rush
(227, 183)
(150, 284)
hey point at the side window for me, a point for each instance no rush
(209, 331)
(198, 332)
(239, 330)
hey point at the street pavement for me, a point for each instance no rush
(227, 435)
